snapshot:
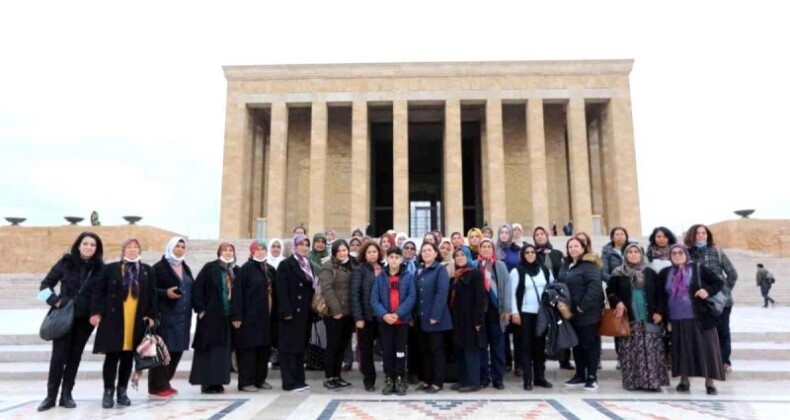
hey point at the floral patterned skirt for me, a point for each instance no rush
(642, 359)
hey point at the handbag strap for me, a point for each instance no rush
(537, 295)
(317, 335)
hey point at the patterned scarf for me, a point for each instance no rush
(658, 253)
(680, 274)
(131, 274)
(306, 267)
(486, 266)
(633, 271)
(229, 276)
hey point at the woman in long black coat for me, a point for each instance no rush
(76, 272)
(252, 319)
(211, 299)
(294, 291)
(468, 307)
(123, 304)
(174, 282)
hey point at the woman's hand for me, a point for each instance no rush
(338, 316)
(515, 319)
(201, 315)
(657, 318)
(360, 325)
(619, 310)
(433, 321)
(702, 294)
(236, 324)
(149, 322)
(95, 320)
(171, 293)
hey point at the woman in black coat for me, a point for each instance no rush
(294, 291)
(362, 279)
(174, 282)
(583, 278)
(252, 319)
(76, 272)
(123, 304)
(211, 298)
(468, 299)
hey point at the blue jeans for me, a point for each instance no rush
(496, 347)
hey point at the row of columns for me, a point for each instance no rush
(617, 127)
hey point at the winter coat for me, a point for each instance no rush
(716, 261)
(469, 298)
(584, 282)
(407, 295)
(335, 281)
(207, 299)
(433, 288)
(253, 295)
(701, 278)
(362, 279)
(175, 316)
(620, 288)
(77, 282)
(107, 301)
(509, 255)
(294, 294)
(559, 333)
(504, 304)
(764, 278)
(551, 260)
(612, 258)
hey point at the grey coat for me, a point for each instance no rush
(716, 261)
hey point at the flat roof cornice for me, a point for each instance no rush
(427, 69)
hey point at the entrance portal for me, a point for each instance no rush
(425, 177)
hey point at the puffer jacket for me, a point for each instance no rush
(612, 258)
(584, 283)
(715, 260)
(362, 279)
(335, 281)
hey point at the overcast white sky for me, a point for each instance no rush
(120, 108)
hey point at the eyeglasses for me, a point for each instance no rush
(677, 253)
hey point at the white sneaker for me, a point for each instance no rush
(591, 385)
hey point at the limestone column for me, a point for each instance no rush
(360, 165)
(536, 147)
(495, 152)
(620, 126)
(278, 153)
(400, 166)
(236, 172)
(581, 203)
(453, 174)
(257, 175)
(593, 134)
(318, 144)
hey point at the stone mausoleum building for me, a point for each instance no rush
(416, 146)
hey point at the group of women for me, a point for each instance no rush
(471, 296)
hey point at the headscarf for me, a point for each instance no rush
(304, 263)
(131, 270)
(254, 245)
(272, 260)
(542, 248)
(487, 264)
(458, 272)
(633, 271)
(530, 268)
(513, 234)
(227, 266)
(171, 245)
(499, 249)
(314, 256)
(679, 275)
(474, 248)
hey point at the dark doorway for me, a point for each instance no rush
(381, 172)
(472, 179)
(426, 169)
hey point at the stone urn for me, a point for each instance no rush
(74, 220)
(132, 219)
(15, 221)
(744, 213)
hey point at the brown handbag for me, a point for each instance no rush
(612, 325)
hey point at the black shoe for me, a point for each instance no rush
(422, 386)
(469, 388)
(543, 383)
(575, 382)
(370, 387)
(107, 401)
(567, 366)
(682, 387)
(264, 385)
(207, 389)
(455, 387)
(711, 390)
(48, 402)
(527, 387)
(121, 397)
(331, 383)
(591, 385)
(508, 368)
(400, 386)
(219, 389)
(518, 372)
(389, 386)
(414, 379)
(66, 400)
(433, 389)
(342, 383)
(499, 386)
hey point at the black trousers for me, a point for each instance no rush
(292, 370)
(725, 338)
(253, 365)
(117, 363)
(587, 354)
(513, 355)
(159, 377)
(533, 357)
(414, 356)
(338, 337)
(67, 354)
(393, 343)
(433, 357)
(365, 339)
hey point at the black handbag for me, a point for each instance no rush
(314, 353)
(149, 354)
(58, 322)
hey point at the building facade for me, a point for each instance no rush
(416, 146)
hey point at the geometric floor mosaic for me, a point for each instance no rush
(700, 409)
(143, 409)
(445, 409)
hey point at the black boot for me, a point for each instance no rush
(107, 401)
(122, 398)
(66, 400)
(49, 402)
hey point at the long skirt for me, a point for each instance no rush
(642, 359)
(211, 366)
(695, 352)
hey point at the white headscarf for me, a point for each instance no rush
(275, 261)
(171, 244)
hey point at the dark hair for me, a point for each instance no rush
(587, 239)
(437, 234)
(487, 228)
(358, 230)
(760, 265)
(98, 256)
(668, 233)
(615, 229)
(337, 244)
(300, 227)
(424, 244)
(410, 242)
(690, 239)
(357, 240)
(568, 257)
(522, 253)
(456, 233)
(363, 250)
(394, 250)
